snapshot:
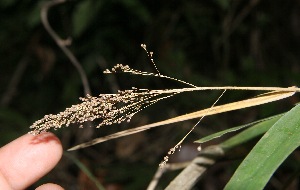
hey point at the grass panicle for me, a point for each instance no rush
(123, 105)
(109, 108)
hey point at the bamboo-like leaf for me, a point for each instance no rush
(209, 155)
(262, 99)
(233, 129)
(250, 133)
(272, 149)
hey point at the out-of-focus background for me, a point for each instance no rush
(206, 43)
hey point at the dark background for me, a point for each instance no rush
(206, 43)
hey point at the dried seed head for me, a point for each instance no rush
(144, 46)
(164, 162)
(111, 108)
(150, 55)
(199, 148)
(170, 152)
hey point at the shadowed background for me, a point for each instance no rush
(215, 43)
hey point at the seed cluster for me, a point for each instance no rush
(110, 108)
(119, 68)
(171, 151)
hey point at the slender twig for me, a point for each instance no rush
(62, 43)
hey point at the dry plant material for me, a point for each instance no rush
(178, 145)
(122, 106)
(262, 99)
(110, 108)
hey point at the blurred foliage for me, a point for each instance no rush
(207, 43)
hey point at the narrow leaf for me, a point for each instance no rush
(272, 149)
(250, 133)
(233, 129)
(209, 155)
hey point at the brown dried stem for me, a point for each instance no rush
(63, 43)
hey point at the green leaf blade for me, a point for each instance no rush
(258, 123)
(267, 155)
(252, 132)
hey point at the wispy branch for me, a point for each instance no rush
(63, 43)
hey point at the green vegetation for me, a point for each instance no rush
(214, 43)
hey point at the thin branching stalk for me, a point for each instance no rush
(268, 97)
(62, 44)
(122, 106)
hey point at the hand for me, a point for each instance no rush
(28, 158)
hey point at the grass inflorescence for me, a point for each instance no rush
(109, 108)
(123, 105)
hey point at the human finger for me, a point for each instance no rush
(49, 186)
(28, 158)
